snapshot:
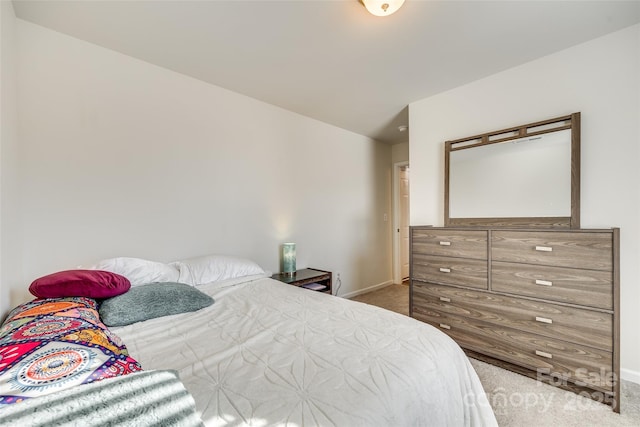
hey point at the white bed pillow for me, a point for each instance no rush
(139, 271)
(213, 268)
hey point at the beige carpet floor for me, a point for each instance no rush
(520, 401)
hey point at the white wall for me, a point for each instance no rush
(600, 79)
(10, 224)
(400, 152)
(123, 158)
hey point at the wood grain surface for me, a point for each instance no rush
(591, 288)
(577, 325)
(591, 251)
(449, 270)
(540, 302)
(575, 363)
(454, 243)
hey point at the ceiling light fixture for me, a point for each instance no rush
(382, 7)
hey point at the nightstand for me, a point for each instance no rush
(305, 277)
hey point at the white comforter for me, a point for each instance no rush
(266, 353)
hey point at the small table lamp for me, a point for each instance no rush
(289, 258)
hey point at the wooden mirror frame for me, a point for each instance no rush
(571, 122)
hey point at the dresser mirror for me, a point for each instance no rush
(525, 176)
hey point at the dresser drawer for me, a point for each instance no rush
(454, 243)
(593, 288)
(451, 271)
(561, 249)
(451, 324)
(548, 356)
(580, 326)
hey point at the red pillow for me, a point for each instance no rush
(80, 283)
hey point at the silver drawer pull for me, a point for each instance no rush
(544, 320)
(544, 249)
(445, 270)
(445, 299)
(445, 243)
(544, 282)
(544, 354)
(445, 326)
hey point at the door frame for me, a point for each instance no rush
(397, 268)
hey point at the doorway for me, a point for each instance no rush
(401, 222)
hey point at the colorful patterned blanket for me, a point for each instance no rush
(48, 345)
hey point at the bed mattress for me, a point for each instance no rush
(267, 353)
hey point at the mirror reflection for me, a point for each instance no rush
(519, 178)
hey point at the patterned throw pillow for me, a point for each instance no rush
(48, 345)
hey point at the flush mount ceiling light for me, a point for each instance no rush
(382, 7)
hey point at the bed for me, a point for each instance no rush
(266, 353)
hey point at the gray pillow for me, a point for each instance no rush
(150, 301)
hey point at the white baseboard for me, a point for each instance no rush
(369, 289)
(629, 375)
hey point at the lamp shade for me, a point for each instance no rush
(382, 7)
(289, 257)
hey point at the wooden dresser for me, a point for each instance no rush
(543, 303)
